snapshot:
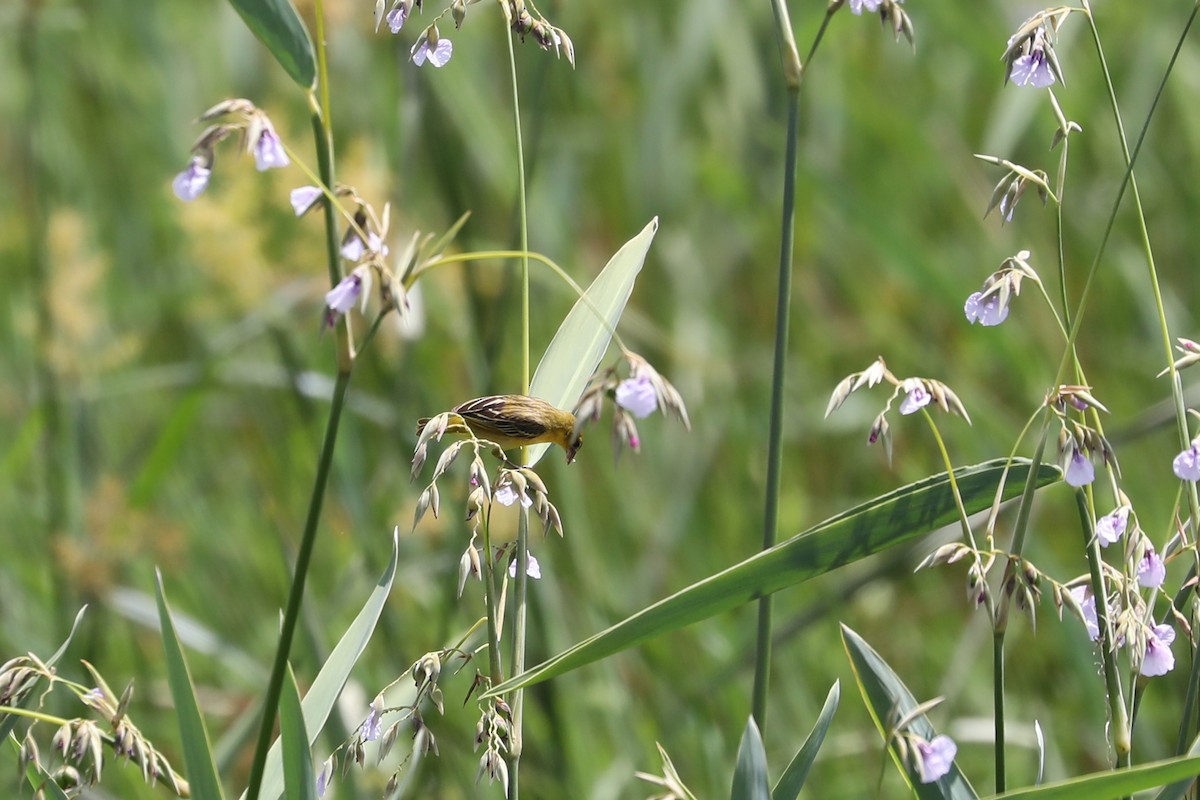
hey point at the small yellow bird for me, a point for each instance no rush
(514, 420)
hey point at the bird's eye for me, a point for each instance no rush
(576, 443)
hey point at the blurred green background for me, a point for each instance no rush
(187, 374)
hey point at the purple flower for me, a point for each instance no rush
(637, 396)
(1087, 603)
(1151, 571)
(986, 311)
(936, 757)
(325, 777)
(918, 397)
(1187, 463)
(372, 727)
(397, 17)
(1111, 526)
(506, 495)
(355, 250)
(1033, 68)
(341, 298)
(268, 150)
(857, 6)
(437, 55)
(303, 198)
(1079, 470)
(532, 568)
(1159, 660)
(190, 183)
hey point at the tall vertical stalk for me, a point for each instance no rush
(793, 71)
(29, 177)
(323, 141)
(521, 589)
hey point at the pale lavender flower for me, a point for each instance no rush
(341, 298)
(532, 568)
(1033, 68)
(268, 150)
(637, 396)
(857, 6)
(373, 726)
(1187, 463)
(190, 183)
(986, 311)
(1087, 603)
(355, 250)
(437, 54)
(1151, 571)
(917, 398)
(506, 495)
(1079, 470)
(1111, 526)
(936, 757)
(1159, 660)
(303, 198)
(397, 17)
(325, 777)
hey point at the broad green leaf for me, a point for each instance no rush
(299, 781)
(581, 340)
(792, 780)
(277, 24)
(891, 519)
(333, 675)
(1112, 785)
(1177, 790)
(750, 781)
(888, 699)
(197, 752)
(37, 776)
(9, 721)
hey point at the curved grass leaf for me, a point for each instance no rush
(887, 699)
(277, 24)
(1177, 790)
(793, 778)
(197, 752)
(323, 693)
(9, 721)
(750, 780)
(37, 776)
(299, 781)
(581, 340)
(1114, 784)
(864, 530)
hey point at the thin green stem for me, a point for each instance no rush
(998, 695)
(323, 142)
(291, 614)
(520, 601)
(1118, 718)
(29, 174)
(762, 664)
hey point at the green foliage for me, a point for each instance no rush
(193, 735)
(278, 26)
(793, 778)
(750, 779)
(299, 779)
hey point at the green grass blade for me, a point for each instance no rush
(887, 697)
(319, 701)
(197, 752)
(37, 776)
(1114, 784)
(793, 778)
(581, 340)
(750, 780)
(299, 780)
(888, 520)
(1179, 789)
(9, 721)
(277, 24)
